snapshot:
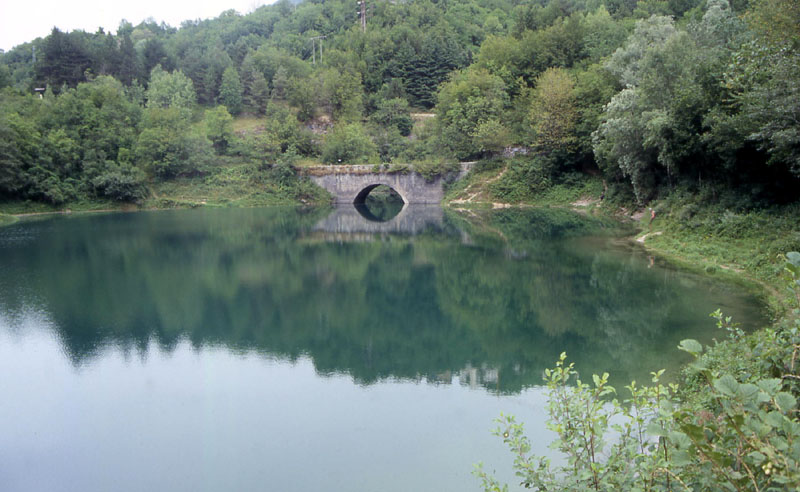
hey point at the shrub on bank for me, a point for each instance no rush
(348, 144)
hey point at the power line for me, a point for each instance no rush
(314, 50)
(363, 14)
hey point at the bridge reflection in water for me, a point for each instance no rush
(356, 223)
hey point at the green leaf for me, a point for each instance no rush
(681, 458)
(779, 443)
(727, 385)
(794, 258)
(655, 430)
(757, 457)
(719, 458)
(750, 393)
(785, 401)
(770, 386)
(695, 432)
(774, 419)
(680, 439)
(691, 346)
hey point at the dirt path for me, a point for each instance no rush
(472, 195)
(643, 238)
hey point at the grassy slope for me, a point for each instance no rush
(477, 189)
(235, 184)
(752, 245)
(231, 184)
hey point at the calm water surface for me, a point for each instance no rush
(304, 350)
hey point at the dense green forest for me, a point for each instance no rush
(653, 94)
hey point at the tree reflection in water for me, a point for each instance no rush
(494, 299)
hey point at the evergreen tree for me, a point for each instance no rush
(128, 69)
(257, 93)
(155, 54)
(422, 71)
(230, 91)
(63, 61)
(280, 84)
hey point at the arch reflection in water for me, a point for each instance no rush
(379, 203)
(359, 220)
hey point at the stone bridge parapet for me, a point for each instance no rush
(352, 183)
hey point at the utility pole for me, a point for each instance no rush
(363, 14)
(314, 50)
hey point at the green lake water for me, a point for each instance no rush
(316, 349)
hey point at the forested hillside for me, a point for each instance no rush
(652, 94)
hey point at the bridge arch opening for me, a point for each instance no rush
(382, 192)
(379, 203)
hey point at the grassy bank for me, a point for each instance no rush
(749, 242)
(504, 182)
(230, 183)
(237, 183)
(705, 230)
(26, 207)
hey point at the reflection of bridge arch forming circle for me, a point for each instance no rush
(346, 221)
(362, 195)
(364, 211)
(382, 209)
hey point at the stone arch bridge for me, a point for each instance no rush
(352, 183)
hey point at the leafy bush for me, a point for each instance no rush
(398, 167)
(583, 417)
(394, 113)
(523, 180)
(431, 169)
(121, 182)
(169, 147)
(390, 143)
(49, 187)
(348, 144)
(282, 125)
(259, 147)
(219, 128)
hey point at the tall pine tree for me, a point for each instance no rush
(230, 91)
